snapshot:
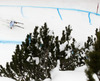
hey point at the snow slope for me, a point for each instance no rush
(57, 14)
(77, 75)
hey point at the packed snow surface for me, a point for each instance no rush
(80, 14)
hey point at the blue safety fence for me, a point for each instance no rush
(10, 42)
(58, 10)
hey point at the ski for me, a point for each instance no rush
(15, 21)
(8, 21)
(19, 26)
(14, 24)
(19, 22)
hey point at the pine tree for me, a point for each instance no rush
(75, 58)
(38, 55)
(24, 66)
(93, 61)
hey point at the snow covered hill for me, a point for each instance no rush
(80, 14)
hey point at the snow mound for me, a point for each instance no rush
(6, 79)
(77, 75)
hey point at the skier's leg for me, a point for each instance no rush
(10, 27)
(11, 24)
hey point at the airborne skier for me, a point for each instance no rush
(14, 24)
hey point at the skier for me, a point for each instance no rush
(12, 23)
